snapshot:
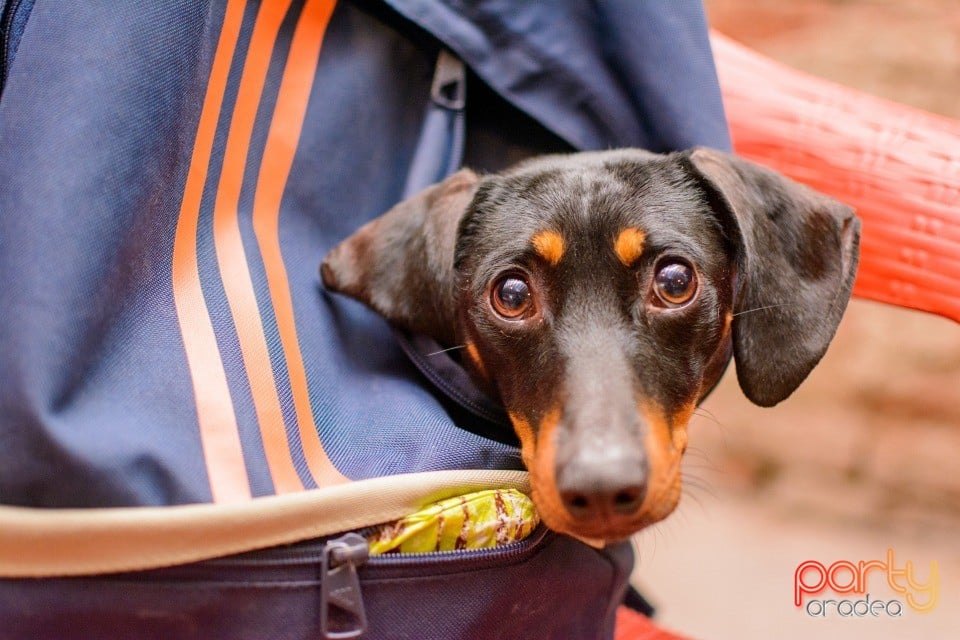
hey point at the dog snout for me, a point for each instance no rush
(606, 488)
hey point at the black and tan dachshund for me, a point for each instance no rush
(600, 296)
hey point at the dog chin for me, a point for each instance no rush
(599, 531)
(603, 532)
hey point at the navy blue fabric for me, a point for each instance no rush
(96, 407)
(618, 73)
(97, 123)
(507, 594)
(98, 119)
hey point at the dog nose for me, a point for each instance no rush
(603, 488)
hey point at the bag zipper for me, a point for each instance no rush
(7, 14)
(449, 91)
(312, 553)
(338, 561)
(340, 585)
(332, 565)
(439, 152)
(340, 582)
(340, 558)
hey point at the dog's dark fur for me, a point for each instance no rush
(600, 375)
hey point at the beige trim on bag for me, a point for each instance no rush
(36, 543)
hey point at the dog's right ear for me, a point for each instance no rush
(401, 264)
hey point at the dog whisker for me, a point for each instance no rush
(694, 487)
(706, 413)
(695, 460)
(708, 467)
(696, 492)
(436, 353)
(772, 306)
(645, 544)
(696, 457)
(703, 413)
(696, 452)
(703, 464)
(721, 426)
(653, 534)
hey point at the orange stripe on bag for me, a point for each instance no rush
(217, 422)
(285, 128)
(234, 270)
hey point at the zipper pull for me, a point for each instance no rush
(449, 86)
(439, 150)
(340, 587)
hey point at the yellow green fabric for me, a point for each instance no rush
(478, 520)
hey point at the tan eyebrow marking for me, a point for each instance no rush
(550, 246)
(629, 245)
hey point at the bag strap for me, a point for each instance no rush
(44, 543)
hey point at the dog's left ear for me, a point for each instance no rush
(797, 258)
(401, 264)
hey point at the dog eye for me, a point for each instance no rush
(675, 283)
(511, 297)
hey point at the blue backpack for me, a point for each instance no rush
(189, 425)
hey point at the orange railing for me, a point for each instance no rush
(899, 166)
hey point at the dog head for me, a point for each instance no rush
(600, 296)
